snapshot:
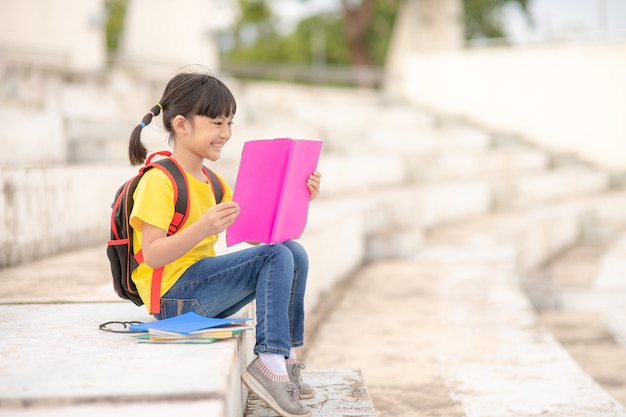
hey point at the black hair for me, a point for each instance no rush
(187, 94)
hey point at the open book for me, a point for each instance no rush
(271, 190)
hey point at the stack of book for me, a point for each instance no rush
(190, 328)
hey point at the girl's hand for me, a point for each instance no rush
(160, 249)
(220, 217)
(313, 184)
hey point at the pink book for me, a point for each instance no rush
(271, 190)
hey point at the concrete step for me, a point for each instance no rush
(589, 277)
(56, 361)
(529, 237)
(534, 189)
(339, 392)
(454, 164)
(580, 294)
(466, 339)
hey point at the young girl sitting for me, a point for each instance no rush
(198, 112)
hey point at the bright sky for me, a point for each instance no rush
(569, 19)
(295, 9)
(291, 11)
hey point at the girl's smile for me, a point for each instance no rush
(209, 135)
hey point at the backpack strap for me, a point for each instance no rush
(216, 184)
(181, 192)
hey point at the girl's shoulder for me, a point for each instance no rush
(154, 181)
(155, 175)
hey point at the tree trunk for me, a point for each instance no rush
(357, 19)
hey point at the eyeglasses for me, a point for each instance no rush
(119, 326)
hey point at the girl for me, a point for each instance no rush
(198, 110)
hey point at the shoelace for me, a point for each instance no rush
(295, 370)
(292, 390)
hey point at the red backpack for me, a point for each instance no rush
(120, 251)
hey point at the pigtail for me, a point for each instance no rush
(137, 152)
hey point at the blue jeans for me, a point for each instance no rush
(220, 286)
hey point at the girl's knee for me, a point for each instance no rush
(279, 251)
(291, 252)
(300, 256)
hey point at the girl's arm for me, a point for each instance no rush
(159, 249)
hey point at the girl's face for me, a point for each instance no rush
(208, 136)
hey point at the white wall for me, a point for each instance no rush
(61, 32)
(165, 34)
(565, 97)
(423, 26)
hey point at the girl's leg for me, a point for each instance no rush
(220, 286)
(296, 318)
(298, 289)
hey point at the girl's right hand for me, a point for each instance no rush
(220, 217)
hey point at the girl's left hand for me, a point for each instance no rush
(313, 184)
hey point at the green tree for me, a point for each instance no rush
(359, 35)
(115, 11)
(356, 36)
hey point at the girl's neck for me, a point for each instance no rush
(191, 163)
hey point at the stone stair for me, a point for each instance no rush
(580, 295)
(398, 184)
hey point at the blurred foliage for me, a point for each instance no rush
(370, 29)
(483, 18)
(115, 10)
(319, 37)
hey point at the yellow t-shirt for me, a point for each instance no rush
(154, 204)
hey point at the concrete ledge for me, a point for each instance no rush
(156, 409)
(98, 368)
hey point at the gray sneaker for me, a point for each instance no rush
(305, 390)
(282, 397)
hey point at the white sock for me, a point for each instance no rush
(292, 357)
(275, 362)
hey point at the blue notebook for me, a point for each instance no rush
(185, 323)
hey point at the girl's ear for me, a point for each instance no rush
(179, 124)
